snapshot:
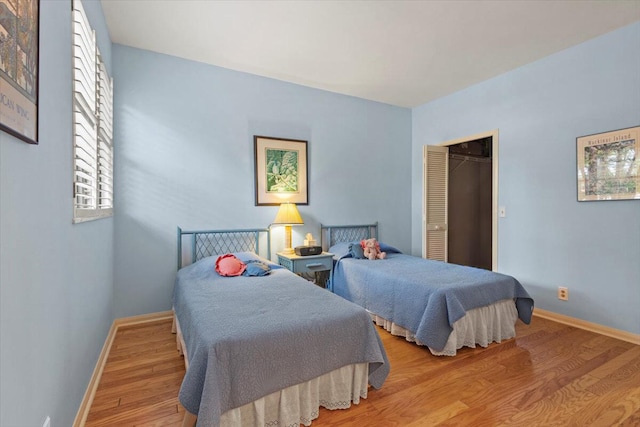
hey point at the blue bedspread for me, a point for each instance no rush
(424, 296)
(247, 337)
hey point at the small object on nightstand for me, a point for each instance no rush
(308, 250)
(309, 240)
(319, 265)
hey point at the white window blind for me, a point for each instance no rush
(105, 139)
(92, 125)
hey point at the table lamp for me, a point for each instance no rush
(288, 215)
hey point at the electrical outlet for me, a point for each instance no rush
(47, 422)
(563, 293)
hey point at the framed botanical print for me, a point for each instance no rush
(280, 171)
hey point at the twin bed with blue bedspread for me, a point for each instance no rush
(443, 306)
(267, 350)
(272, 349)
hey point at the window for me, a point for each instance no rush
(92, 125)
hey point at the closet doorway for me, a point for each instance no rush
(461, 201)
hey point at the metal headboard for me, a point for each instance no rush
(205, 243)
(332, 234)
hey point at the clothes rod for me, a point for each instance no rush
(470, 158)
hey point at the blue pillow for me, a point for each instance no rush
(246, 257)
(256, 268)
(388, 249)
(356, 250)
(340, 250)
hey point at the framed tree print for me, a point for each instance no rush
(19, 27)
(609, 165)
(280, 171)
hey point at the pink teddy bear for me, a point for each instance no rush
(371, 249)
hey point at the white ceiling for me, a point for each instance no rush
(403, 53)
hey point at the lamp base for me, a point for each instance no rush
(287, 240)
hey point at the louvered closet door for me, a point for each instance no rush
(436, 187)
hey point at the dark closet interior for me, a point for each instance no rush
(470, 204)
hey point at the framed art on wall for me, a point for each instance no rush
(280, 171)
(609, 165)
(19, 27)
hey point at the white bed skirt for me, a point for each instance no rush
(481, 326)
(295, 405)
(300, 404)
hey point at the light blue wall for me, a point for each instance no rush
(56, 279)
(548, 239)
(184, 157)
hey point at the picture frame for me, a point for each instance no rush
(609, 165)
(19, 62)
(281, 171)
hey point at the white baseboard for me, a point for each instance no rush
(143, 318)
(593, 327)
(87, 400)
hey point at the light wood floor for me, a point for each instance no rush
(550, 375)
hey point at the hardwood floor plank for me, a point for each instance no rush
(141, 358)
(559, 409)
(135, 416)
(440, 415)
(172, 380)
(632, 421)
(612, 366)
(488, 415)
(555, 379)
(628, 372)
(572, 405)
(551, 374)
(168, 421)
(613, 408)
(133, 405)
(102, 403)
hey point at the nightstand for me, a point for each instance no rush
(318, 265)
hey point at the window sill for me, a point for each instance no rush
(77, 219)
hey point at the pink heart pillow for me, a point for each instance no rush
(229, 265)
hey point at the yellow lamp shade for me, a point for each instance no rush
(288, 215)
